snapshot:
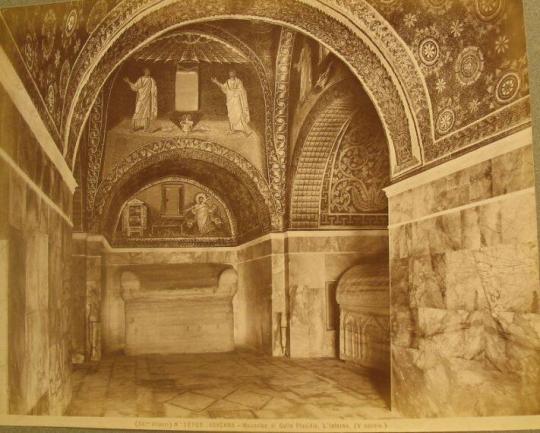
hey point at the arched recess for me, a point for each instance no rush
(96, 124)
(232, 177)
(363, 40)
(97, 120)
(251, 219)
(229, 238)
(340, 163)
(321, 130)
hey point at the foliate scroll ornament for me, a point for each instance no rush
(360, 173)
(64, 76)
(97, 13)
(355, 187)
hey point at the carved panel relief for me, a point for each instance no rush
(363, 295)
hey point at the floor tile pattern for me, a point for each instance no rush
(226, 385)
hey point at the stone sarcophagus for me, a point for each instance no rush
(363, 298)
(183, 308)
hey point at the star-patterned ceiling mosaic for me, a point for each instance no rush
(43, 41)
(472, 54)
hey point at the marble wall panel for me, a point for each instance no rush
(451, 386)
(39, 301)
(279, 299)
(452, 333)
(510, 172)
(191, 255)
(38, 267)
(509, 275)
(17, 200)
(308, 322)
(4, 281)
(253, 304)
(113, 329)
(16, 320)
(513, 171)
(20, 144)
(306, 292)
(361, 241)
(464, 292)
(255, 250)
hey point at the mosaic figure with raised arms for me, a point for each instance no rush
(146, 102)
(237, 103)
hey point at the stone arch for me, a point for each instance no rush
(191, 158)
(227, 38)
(96, 127)
(205, 189)
(321, 130)
(354, 31)
(340, 163)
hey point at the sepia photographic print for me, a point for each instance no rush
(268, 215)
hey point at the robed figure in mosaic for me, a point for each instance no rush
(237, 103)
(206, 219)
(146, 103)
(304, 68)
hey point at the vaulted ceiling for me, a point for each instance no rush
(432, 79)
(470, 55)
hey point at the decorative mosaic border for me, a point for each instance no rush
(281, 112)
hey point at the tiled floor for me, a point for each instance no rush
(227, 385)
